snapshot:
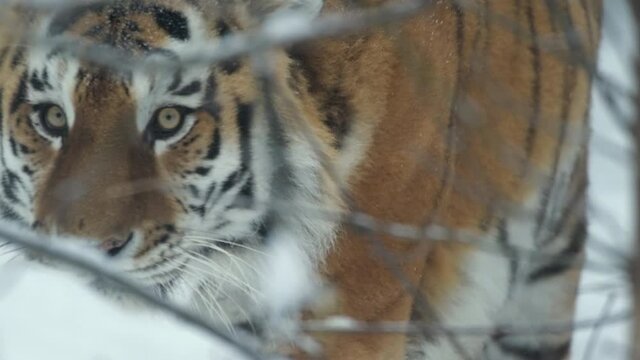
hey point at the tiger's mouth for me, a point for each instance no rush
(218, 279)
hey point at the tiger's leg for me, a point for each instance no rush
(482, 286)
(531, 286)
(543, 285)
(371, 287)
(515, 289)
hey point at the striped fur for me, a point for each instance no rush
(470, 115)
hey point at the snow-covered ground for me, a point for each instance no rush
(47, 315)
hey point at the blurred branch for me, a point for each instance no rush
(348, 326)
(635, 266)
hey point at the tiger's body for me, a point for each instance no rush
(471, 116)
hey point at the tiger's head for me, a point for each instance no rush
(168, 169)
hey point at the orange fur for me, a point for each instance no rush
(485, 164)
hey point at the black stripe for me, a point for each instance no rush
(35, 82)
(247, 189)
(566, 259)
(161, 240)
(505, 246)
(18, 57)
(541, 211)
(2, 160)
(200, 210)
(177, 80)
(244, 121)
(550, 270)
(210, 105)
(202, 171)
(541, 352)
(577, 239)
(246, 194)
(188, 141)
(335, 106)
(264, 228)
(195, 192)
(214, 145)
(14, 146)
(193, 88)
(173, 22)
(3, 55)
(230, 67)
(337, 111)
(567, 90)
(536, 67)
(451, 123)
(571, 206)
(222, 28)
(230, 181)
(8, 213)
(210, 190)
(21, 94)
(45, 78)
(28, 171)
(10, 183)
(24, 149)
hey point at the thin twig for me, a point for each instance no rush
(403, 327)
(635, 266)
(597, 329)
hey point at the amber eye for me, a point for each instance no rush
(169, 119)
(167, 122)
(53, 119)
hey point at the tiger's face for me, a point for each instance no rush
(166, 170)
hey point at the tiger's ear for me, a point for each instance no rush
(267, 8)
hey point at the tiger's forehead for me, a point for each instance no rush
(128, 25)
(134, 25)
(149, 30)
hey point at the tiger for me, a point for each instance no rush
(430, 169)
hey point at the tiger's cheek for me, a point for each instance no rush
(32, 153)
(193, 154)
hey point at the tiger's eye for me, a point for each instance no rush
(169, 119)
(55, 118)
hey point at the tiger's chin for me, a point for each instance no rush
(223, 287)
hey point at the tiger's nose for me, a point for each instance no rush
(114, 245)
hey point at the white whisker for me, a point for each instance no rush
(194, 272)
(231, 256)
(244, 286)
(224, 241)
